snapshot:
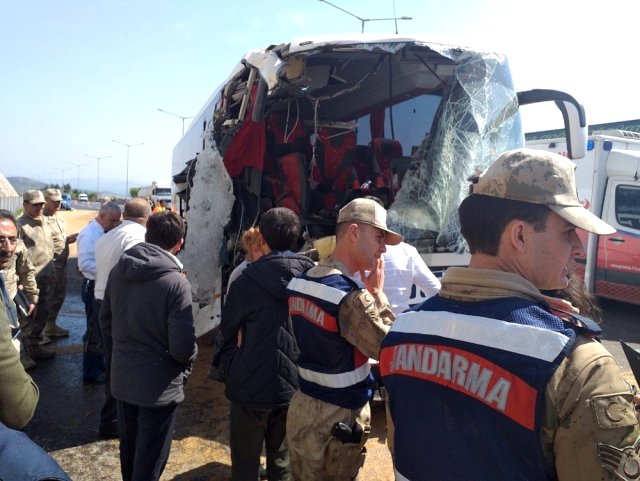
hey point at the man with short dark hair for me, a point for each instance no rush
(490, 367)
(263, 375)
(339, 324)
(38, 239)
(147, 319)
(18, 393)
(21, 272)
(20, 458)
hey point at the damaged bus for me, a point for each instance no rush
(312, 123)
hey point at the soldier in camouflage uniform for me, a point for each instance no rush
(20, 271)
(492, 380)
(61, 242)
(339, 324)
(37, 237)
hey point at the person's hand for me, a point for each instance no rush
(374, 281)
(71, 238)
(32, 310)
(560, 307)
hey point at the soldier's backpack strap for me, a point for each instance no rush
(580, 324)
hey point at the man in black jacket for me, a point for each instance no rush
(263, 374)
(146, 316)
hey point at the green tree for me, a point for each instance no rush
(133, 191)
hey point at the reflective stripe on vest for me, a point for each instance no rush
(400, 477)
(508, 336)
(344, 379)
(317, 290)
(454, 378)
(464, 371)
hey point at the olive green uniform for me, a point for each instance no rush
(38, 239)
(590, 425)
(18, 393)
(21, 271)
(58, 229)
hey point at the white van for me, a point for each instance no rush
(83, 197)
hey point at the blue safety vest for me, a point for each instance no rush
(329, 367)
(466, 384)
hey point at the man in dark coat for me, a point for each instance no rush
(146, 316)
(263, 374)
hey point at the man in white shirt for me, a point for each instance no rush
(108, 250)
(108, 217)
(407, 279)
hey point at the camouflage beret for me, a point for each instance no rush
(53, 194)
(33, 197)
(540, 177)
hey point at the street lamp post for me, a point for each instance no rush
(128, 146)
(176, 115)
(98, 159)
(78, 179)
(363, 20)
(63, 170)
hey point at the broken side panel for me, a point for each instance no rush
(210, 203)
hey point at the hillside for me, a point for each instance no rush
(22, 184)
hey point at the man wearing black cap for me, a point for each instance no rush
(339, 324)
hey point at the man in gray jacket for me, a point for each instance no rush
(147, 315)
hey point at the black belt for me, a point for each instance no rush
(89, 281)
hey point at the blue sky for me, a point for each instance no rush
(76, 74)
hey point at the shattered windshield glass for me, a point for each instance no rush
(477, 121)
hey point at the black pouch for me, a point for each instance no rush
(346, 434)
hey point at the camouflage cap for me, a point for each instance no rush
(53, 194)
(540, 177)
(368, 211)
(33, 197)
